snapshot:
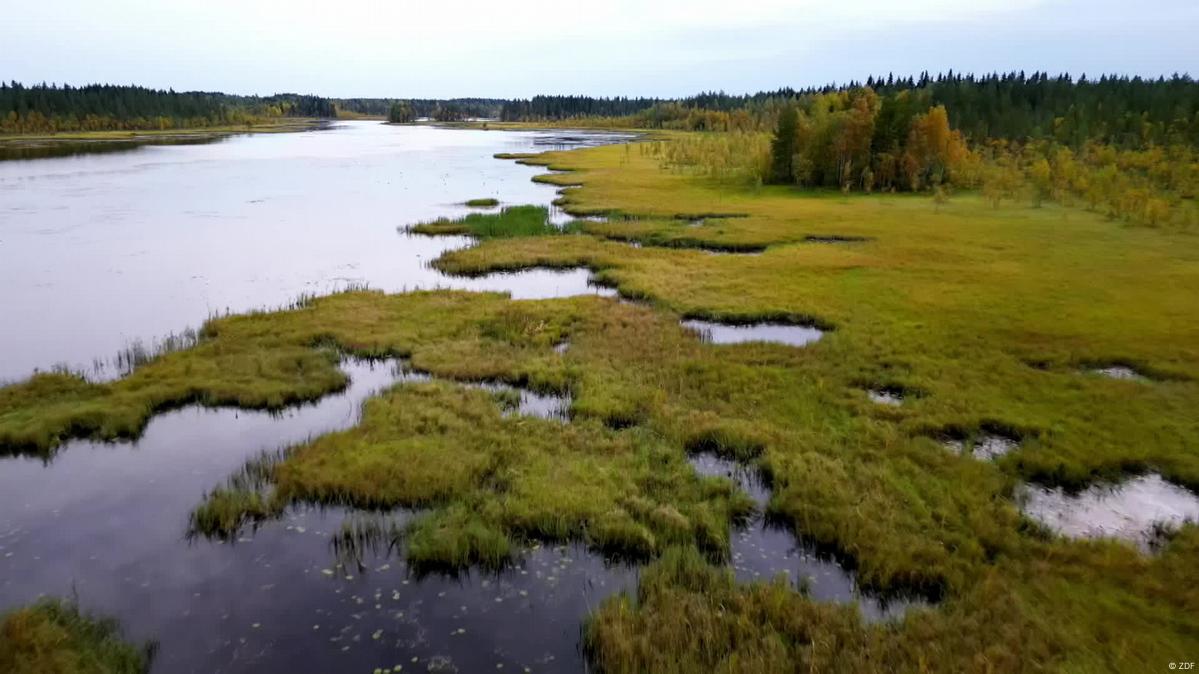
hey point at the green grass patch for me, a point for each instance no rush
(514, 221)
(486, 479)
(55, 637)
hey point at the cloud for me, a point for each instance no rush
(670, 47)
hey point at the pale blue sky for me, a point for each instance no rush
(628, 47)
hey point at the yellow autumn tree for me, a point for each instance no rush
(933, 149)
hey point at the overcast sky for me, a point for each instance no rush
(448, 48)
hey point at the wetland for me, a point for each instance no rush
(393, 405)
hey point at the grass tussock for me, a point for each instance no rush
(485, 480)
(485, 202)
(55, 637)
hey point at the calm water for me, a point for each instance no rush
(98, 251)
(763, 549)
(108, 522)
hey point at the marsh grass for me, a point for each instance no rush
(55, 637)
(484, 481)
(514, 221)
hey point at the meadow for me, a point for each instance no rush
(985, 318)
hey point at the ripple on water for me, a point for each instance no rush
(107, 521)
(1137, 510)
(762, 549)
(780, 333)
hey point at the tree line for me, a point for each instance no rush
(862, 140)
(442, 110)
(1124, 111)
(46, 108)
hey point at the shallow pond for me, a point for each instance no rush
(108, 522)
(724, 333)
(1137, 510)
(1120, 372)
(100, 250)
(762, 549)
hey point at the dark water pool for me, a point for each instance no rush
(724, 333)
(763, 549)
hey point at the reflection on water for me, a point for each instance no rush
(724, 333)
(1138, 510)
(98, 251)
(1120, 372)
(889, 397)
(108, 521)
(762, 549)
(74, 148)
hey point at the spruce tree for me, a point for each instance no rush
(782, 147)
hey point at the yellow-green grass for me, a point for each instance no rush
(483, 479)
(991, 316)
(54, 637)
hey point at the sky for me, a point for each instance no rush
(666, 48)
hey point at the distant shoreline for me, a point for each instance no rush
(190, 133)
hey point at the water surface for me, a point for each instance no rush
(107, 522)
(98, 251)
(101, 250)
(727, 333)
(763, 549)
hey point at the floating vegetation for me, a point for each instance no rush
(1142, 510)
(731, 333)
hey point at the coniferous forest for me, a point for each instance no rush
(99, 107)
(1123, 145)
